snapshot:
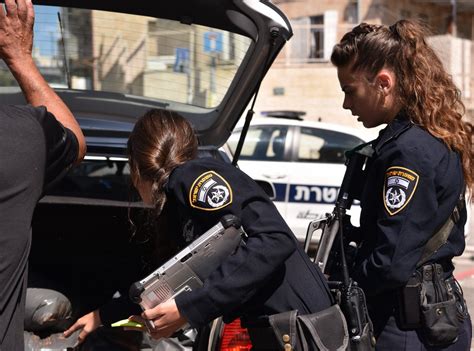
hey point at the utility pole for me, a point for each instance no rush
(359, 11)
(453, 18)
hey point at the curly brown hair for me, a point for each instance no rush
(160, 141)
(424, 88)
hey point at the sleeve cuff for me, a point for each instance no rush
(197, 308)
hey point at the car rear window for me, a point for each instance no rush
(138, 55)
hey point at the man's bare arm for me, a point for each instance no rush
(16, 43)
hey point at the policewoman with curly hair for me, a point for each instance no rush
(414, 186)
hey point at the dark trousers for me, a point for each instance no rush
(392, 338)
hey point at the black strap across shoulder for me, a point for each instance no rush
(441, 236)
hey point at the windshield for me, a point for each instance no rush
(142, 56)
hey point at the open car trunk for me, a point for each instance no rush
(90, 253)
(91, 240)
(84, 251)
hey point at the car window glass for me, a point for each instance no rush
(320, 145)
(137, 55)
(97, 179)
(262, 143)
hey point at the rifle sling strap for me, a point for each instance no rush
(441, 236)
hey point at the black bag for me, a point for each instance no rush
(322, 331)
(439, 315)
(429, 303)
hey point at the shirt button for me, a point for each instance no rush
(287, 347)
(286, 337)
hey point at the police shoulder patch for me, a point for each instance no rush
(399, 186)
(210, 192)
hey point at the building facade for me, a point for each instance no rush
(303, 78)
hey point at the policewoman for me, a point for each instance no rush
(267, 275)
(414, 186)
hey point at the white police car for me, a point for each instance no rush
(303, 162)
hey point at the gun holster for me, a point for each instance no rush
(357, 316)
(409, 303)
(427, 303)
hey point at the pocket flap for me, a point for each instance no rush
(284, 327)
(327, 328)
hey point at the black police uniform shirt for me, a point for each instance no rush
(35, 150)
(413, 184)
(267, 275)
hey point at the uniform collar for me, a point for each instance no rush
(400, 124)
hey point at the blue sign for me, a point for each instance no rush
(181, 62)
(213, 42)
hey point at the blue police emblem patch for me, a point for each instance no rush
(210, 192)
(399, 186)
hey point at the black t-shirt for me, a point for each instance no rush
(35, 151)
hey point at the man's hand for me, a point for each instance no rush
(16, 43)
(16, 30)
(87, 323)
(165, 317)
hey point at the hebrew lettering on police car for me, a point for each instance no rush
(329, 194)
(302, 193)
(317, 192)
(314, 194)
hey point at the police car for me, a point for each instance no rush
(301, 162)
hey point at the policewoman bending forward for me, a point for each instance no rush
(267, 275)
(414, 186)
